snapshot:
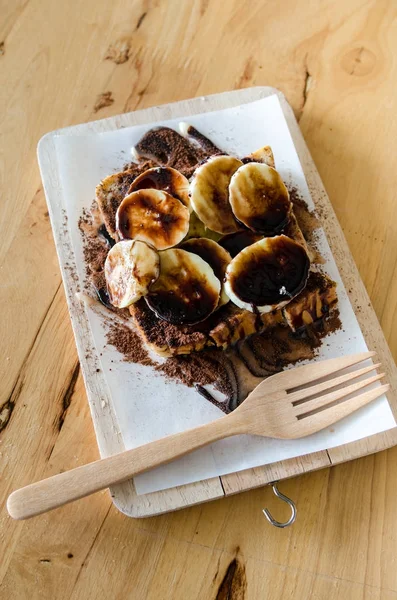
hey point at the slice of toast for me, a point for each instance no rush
(231, 324)
(262, 155)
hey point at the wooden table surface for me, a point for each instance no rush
(63, 63)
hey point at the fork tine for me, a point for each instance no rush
(307, 407)
(333, 414)
(314, 390)
(308, 373)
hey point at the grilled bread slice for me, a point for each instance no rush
(231, 324)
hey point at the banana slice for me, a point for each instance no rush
(262, 155)
(130, 268)
(216, 256)
(259, 198)
(198, 229)
(163, 178)
(187, 290)
(267, 275)
(209, 193)
(154, 217)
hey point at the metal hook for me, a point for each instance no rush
(288, 501)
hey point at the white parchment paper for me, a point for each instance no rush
(147, 405)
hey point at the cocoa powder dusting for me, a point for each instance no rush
(201, 369)
(191, 369)
(307, 219)
(194, 370)
(309, 223)
(270, 353)
(128, 343)
(95, 248)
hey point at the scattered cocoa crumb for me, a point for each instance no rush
(332, 322)
(317, 281)
(208, 367)
(103, 100)
(309, 224)
(307, 219)
(71, 271)
(95, 253)
(129, 344)
(95, 248)
(64, 221)
(191, 369)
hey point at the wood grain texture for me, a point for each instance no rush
(335, 63)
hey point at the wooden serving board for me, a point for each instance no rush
(107, 432)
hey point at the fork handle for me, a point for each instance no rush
(58, 490)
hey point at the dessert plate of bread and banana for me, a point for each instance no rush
(196, 264)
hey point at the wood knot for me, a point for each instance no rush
(234, 583)
(5, 413)
(359, 62)
(103, 100)
(119, 51)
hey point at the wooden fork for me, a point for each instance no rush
(291, 404)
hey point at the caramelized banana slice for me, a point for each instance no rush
(130, 268)
(216, 256)
(209, 193)
(267, 275)
(187, 290)
(163, 178)
(154, 217)
(259, 198)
